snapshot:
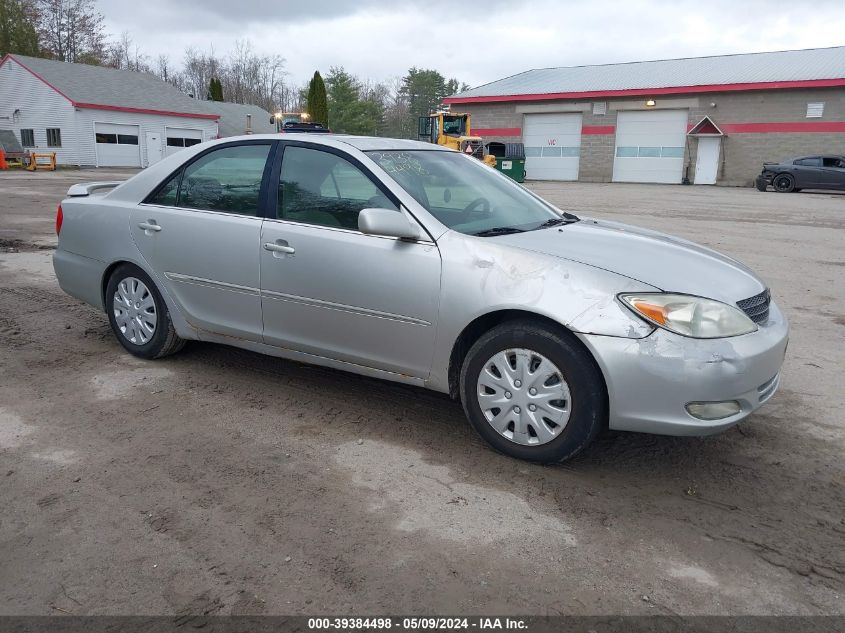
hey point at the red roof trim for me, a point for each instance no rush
(764, 85)
(189, 115)
(95, 106)
(35, 74)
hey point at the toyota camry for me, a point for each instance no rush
(414, 263)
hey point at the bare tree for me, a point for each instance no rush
(199, 68)
(163, 69)
(127, 55)
(71, 30)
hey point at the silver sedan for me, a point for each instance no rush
(413, 263)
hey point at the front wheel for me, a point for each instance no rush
(532, 392)
(783, 183)
(138, 315)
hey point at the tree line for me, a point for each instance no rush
(74, 31)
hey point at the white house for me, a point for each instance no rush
(96, 116)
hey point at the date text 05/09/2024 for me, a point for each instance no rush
(415, 623)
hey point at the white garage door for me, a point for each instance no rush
(117, 145)
(552, 146)
(181, 137)
(650, 146)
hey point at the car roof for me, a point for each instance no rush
(792, 160)
(363, 143)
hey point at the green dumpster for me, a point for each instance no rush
(510, 159)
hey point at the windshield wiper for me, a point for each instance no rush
(499, 230)
(567, 219)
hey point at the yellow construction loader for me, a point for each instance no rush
(452, 129)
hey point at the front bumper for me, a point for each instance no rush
(650, 380)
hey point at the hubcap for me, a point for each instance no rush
(134, 311)
(524, 397)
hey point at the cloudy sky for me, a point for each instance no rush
(476, 41)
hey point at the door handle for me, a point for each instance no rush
(279, 248)
(149, 225)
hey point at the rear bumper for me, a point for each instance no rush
(651, 380)
(80, 276)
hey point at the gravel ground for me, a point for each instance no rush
(223, 482)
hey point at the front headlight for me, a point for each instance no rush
(686, 315)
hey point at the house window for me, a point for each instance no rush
(178, 141)
(28, 138)
(54, 137)
(815, 110)
(116, 139)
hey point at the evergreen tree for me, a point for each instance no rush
(18, 32)
(317, 103)
(215, 90)
(424, 89)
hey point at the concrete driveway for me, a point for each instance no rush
(219, 481)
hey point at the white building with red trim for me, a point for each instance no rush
(703, 120)
(96, 116)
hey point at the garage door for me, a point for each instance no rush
(181, 137)
(552, 146)
(117, 145)
(650, 146)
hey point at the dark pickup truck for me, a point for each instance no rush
(806, 172)
(313, 128)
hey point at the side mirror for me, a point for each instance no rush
(387, 222)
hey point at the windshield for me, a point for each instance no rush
(454, 125)
(465, 195)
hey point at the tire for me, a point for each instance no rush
(761, 183)
(523, 344)
(783, 183)
(130, 324)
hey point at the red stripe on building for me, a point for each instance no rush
(783, 127)
(496, 131)
(598, 129)
(651, 92)
(799, 127)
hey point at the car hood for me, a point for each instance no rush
(663, 261)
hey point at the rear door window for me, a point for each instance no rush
(833, 161)
(227, 179)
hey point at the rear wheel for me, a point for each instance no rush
(138, 315)
(532, 392)
(783, 183)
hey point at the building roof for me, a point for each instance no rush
(232, 120)
(102, 88)
(817, 67)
